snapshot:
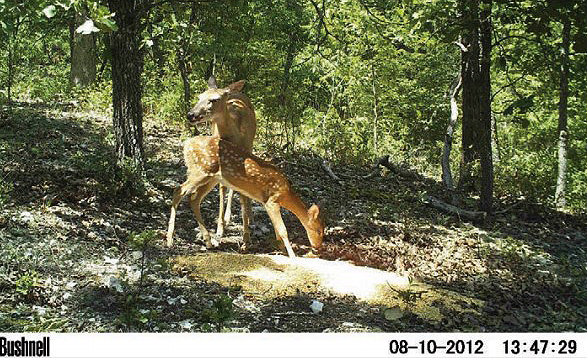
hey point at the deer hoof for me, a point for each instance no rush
(211, 243)
(220, 231)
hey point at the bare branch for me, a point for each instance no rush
(463, 47)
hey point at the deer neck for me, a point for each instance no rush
(224, 127)
(293, 203)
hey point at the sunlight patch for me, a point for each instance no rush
(345, 278)
(265, 274)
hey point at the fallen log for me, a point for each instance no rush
(451, 209)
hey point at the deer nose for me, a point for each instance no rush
(191, 116)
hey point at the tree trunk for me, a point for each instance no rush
(375, 109)
(181, 63)
(282, 97)
(563, 136)
(10, 69)
(484, 134)
(470, 74)
(127, 66)
(447, 179)
(83, 55)
(12, 44)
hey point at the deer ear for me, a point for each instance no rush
(212, 83)
(237, 86)
(314, 211)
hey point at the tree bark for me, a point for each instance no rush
(484, 134)
(181, 63)
(83, 55)
(475, 71)
(563, 136)
(127, 66)
(470, 74)
(12, 45)
(282, 97)
(10, 74)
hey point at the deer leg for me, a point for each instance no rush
(273, 210)
(245, 203)
(195, 201)
(228, 212)
(222, 222)
(178, 193)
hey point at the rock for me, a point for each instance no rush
(316, 306)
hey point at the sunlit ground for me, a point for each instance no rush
(273, 276)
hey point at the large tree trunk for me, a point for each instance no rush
(470, 74)
(127, 66)
(83, 55)
(484, 135)
(475, 71)
(563, 136)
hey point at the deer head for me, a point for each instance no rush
(212, 102)
(315, 226)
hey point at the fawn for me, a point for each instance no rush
(211, 160)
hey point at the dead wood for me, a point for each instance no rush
(451, 209)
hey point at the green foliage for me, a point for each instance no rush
(163, 99)
(28, 285)
(220, 313)
(130, 178)
(367, 79)
(131, 317)
(142, 240)
(532, 175)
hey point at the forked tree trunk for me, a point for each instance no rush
(127, 66)
(83, 55)
(563, 136)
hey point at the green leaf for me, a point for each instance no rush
(107, 24)
(50, 11)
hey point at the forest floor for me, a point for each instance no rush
(82, 253)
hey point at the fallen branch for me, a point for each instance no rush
(324, 164)
(375, 170)
(508, 208)
(472, 215)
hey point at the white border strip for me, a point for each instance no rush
(93, 345)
